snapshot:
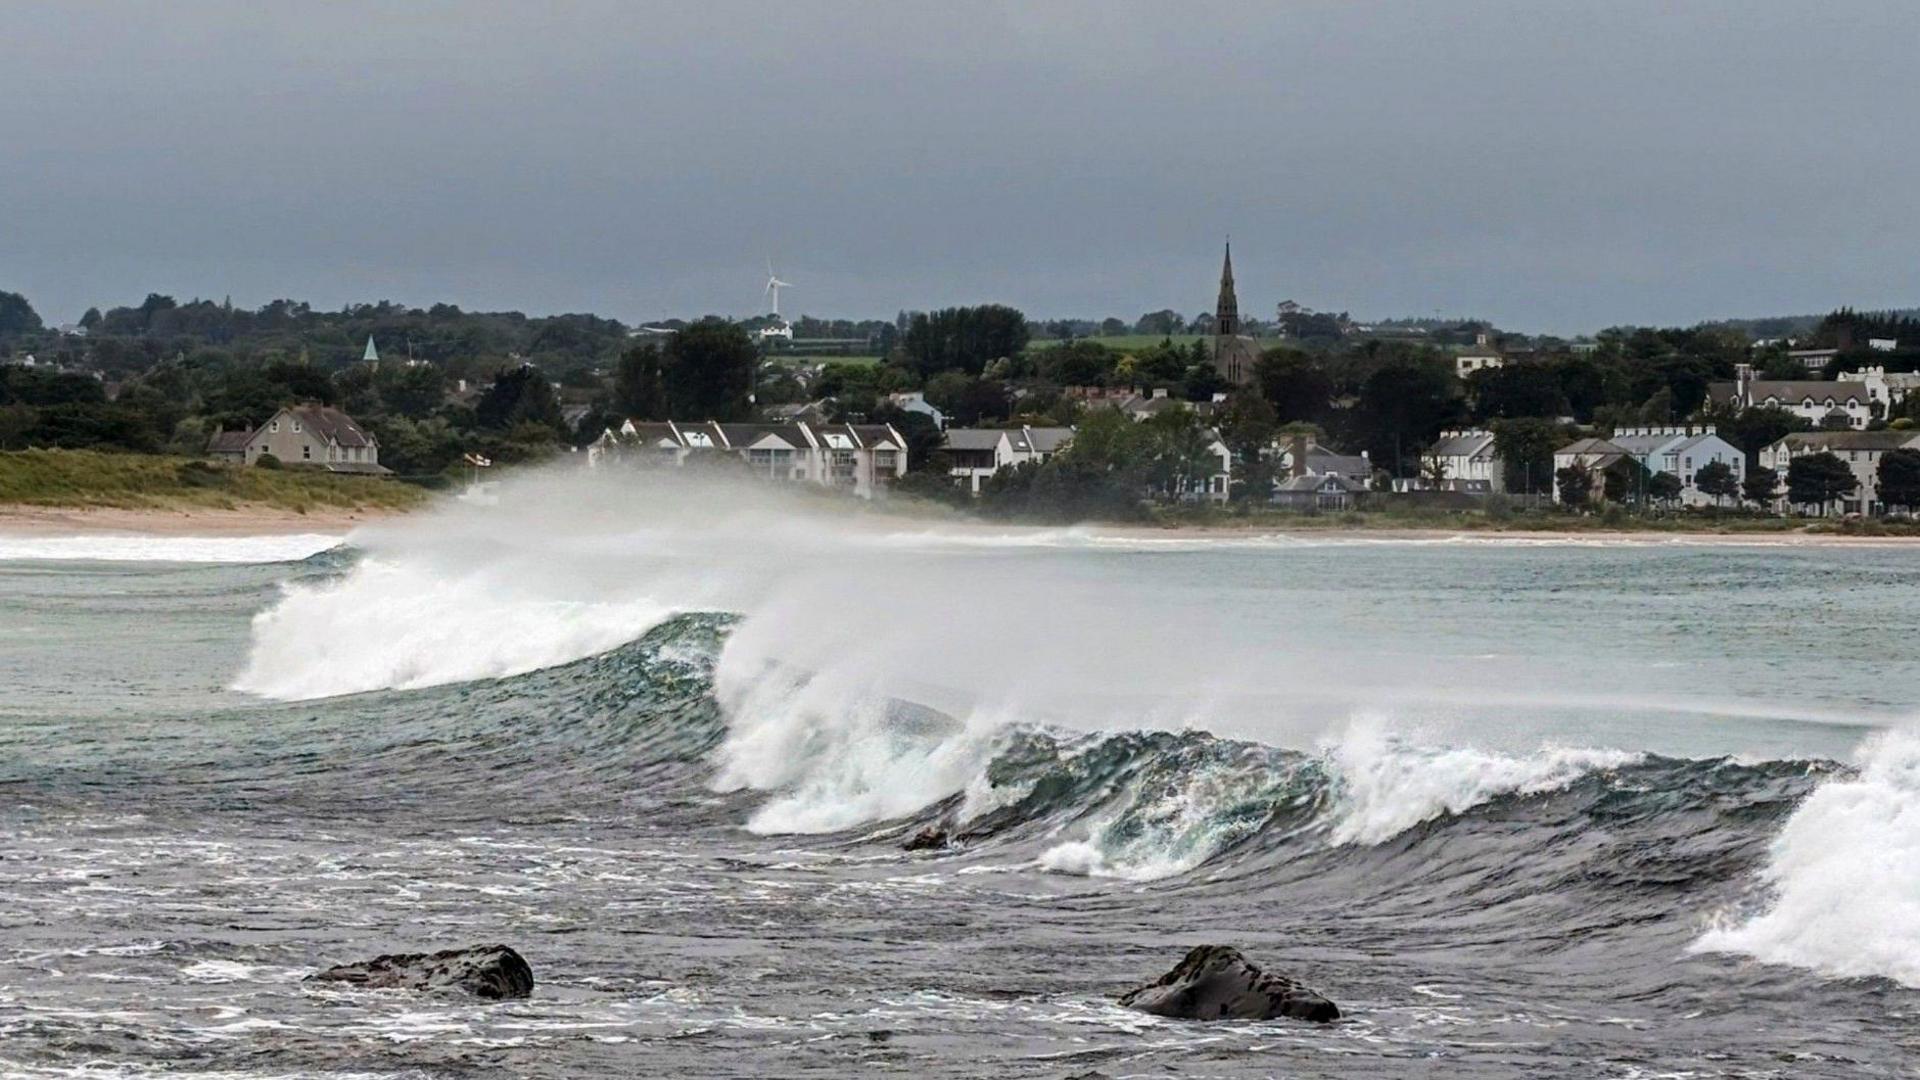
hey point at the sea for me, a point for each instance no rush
(1609, 807)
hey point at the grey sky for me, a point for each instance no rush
(1552, 166)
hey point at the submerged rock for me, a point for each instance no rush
(928, 839)
(1214, 982)
(493, 972)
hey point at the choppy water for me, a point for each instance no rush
(1679, 837)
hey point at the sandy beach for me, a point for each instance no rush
(247, 521)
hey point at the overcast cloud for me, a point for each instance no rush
(1551, 166)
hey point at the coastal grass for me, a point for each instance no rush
(88, 478)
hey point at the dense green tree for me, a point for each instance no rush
(924, 437)
(414, 391)
(17, 317)
(639, 387)
(1898, 478)
(519, 396)
(1403, 406)
(1078, 363)
(963, 338)
(1716, 478)
(1525, 448)
(1761, 487)
(1516, 390)
(1664, 487)
(969, 401)
(1162, 323)
(1575, 484)
(1297, 387)
(707, 371)
(1819, 480)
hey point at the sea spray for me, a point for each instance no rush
(1842, 878)
(392, 624)
(1387, 785)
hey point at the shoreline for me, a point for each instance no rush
(44, 521)
(23, 520)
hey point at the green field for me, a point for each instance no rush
(81, 478)
(1126, 342)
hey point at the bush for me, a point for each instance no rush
(267, 461)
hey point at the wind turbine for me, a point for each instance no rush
(774, 285)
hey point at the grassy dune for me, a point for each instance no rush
(85, 478)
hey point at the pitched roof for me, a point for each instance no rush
(974, 438)
(1318, 483)
(1465, 444)
(1850, 440)
(1047, 440)
(1641, 445)
(332, 424)
(1792, 390)
(1589, 446)
(229, 442)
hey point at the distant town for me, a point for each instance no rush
(987, 410)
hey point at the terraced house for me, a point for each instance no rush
(864, 459)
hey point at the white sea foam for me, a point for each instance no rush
(184, 549)
(391, 624)
(1386, 786)
(1843, 876)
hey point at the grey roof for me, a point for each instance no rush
(331, 424)
(1850, 440)
(1644, 444)
(1589, 446)
(229, 442)
(1467, 444)
(1318, 483)
(1048, 440)
(1696, 440)
(1320, 460)
(974, 438)
(1792, 390)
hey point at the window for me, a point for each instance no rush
(273, 426)
(296, 426)
(306, 451)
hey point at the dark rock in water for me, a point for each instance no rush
(493, 972)
(1214, 982)
(929, 838)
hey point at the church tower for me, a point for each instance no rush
(1234, 356)
(1226, 313)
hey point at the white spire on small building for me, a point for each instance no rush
(372, 355)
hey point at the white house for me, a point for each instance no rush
(863, 458)
(1682, 452)
(973, 454)
(1861, 450)
(1883, 344)
(1814, 400)
(1885, 389)
(915, 401)
(1467, 457)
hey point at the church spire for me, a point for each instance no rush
(1226, 314)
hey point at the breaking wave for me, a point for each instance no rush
(857, 689)
(292, 547)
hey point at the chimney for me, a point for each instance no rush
(1742, 383)
(1299, 451)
